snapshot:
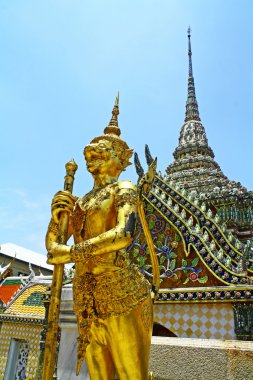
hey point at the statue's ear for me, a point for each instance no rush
(128, 154)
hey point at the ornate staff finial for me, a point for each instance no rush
(113, 127)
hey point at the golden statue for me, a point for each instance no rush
(112, 299)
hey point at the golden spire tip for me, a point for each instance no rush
(117, 99)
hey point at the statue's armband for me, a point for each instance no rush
(126, 204)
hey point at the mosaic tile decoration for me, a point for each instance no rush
(30, 333)
(29, 302)
(206, 321)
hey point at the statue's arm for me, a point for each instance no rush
(53, 232)
(119, 237)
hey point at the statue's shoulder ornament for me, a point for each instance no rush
(126, 194)
(125, 184)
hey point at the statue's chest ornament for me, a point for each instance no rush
(87, 205)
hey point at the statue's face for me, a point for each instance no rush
(101, 158)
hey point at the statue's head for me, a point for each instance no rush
(109, 150)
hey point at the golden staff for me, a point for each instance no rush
(56, 287)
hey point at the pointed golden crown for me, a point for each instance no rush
(112, 133)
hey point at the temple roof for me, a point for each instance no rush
(22, 298)
(29, 302)
(194, 249)
(6, 270)
(26, 255)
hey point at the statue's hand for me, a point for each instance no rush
(62, 201)
(58, 254)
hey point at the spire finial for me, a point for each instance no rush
(113, 127)
(117, 99)
(192, 112)
(189, 51)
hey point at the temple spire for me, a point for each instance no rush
(192, 111)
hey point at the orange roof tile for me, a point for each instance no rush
(7, 291)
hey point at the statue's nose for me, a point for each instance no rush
(90, 148)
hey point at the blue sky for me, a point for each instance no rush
(62, 63)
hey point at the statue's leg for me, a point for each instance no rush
(99, 362)
(92, 347)
(129, 340)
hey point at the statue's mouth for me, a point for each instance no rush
(96, 156)
(95, 162)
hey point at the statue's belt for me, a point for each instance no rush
(109, 294)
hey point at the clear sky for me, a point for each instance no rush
(62, 63)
